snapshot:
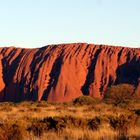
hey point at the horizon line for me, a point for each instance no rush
(51, 44)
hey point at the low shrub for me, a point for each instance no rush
(11, 132)
(37, 128)
(34, 109)
(6, 108)
(75, 122)
(58, 124)
(85, 100)
(55, 123)
(43, 104)
(119, 94)
(94, 123)
(122, 123)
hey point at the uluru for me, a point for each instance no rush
(63, 72)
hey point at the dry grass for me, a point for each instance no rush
(46, 121)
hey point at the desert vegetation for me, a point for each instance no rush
(120, 94)
(85, 118)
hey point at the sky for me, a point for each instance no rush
(36, 23)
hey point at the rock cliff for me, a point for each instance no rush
(63, 72)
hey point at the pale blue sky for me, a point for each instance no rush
(35, 23)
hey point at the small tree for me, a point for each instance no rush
(121, 93)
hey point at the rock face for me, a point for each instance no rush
(63, 72)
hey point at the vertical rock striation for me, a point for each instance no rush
(63, 72)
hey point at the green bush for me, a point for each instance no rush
(85, 100)
(120, 94)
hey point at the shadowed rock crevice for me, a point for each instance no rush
(128, 72)
(119, 54)
(35, 72)
(8, 74)
(54, 75)
(9, 71)
(90, 74)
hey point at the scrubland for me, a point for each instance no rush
(85, 118)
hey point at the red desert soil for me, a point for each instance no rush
(63, 72)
